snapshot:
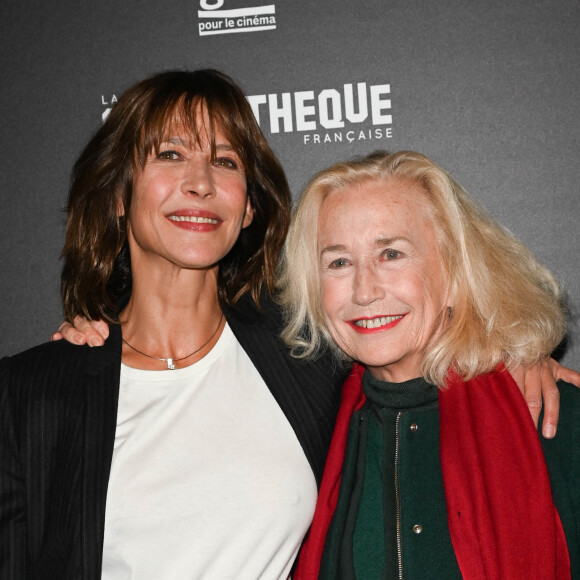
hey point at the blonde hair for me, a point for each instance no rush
(507, 308)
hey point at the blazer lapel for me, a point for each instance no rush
(101, 401)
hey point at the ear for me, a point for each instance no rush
(120, 208)
(248, 214)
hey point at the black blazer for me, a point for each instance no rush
(58, 411)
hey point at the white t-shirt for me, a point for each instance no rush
(208, 479)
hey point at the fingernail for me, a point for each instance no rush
(79, 338)
(94, 342)
(549, 431)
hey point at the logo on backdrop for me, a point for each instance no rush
(108, 103)
(214, 20)
(356, 112)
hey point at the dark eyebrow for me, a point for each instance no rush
(176, 141)
(224, 147)
(219, 146)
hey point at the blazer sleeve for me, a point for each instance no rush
(12, 511)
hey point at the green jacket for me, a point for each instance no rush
(562, 455)
(422, 535)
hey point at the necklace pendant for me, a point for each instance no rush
(170, 365)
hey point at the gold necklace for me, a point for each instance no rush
(171, 361)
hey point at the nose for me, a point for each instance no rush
(366, 285)
(197, 179)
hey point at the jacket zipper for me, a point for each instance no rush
(398, 494)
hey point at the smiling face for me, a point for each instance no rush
(188, 209)
(384, 291)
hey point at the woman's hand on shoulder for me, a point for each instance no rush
(538, 384)
(83, 331)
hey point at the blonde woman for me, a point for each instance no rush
(435, 469)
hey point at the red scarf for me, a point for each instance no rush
(501, 516)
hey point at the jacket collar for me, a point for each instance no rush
(101, 401)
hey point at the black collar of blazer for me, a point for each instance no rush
(101, 402)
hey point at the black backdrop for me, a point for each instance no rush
(487, 89)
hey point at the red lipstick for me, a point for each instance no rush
(195, 220)
(373, 324)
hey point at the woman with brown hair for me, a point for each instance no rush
(191, 444)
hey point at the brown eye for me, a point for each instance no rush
(168, 155)
(226, 162)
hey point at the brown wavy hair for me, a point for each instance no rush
(97, 270)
